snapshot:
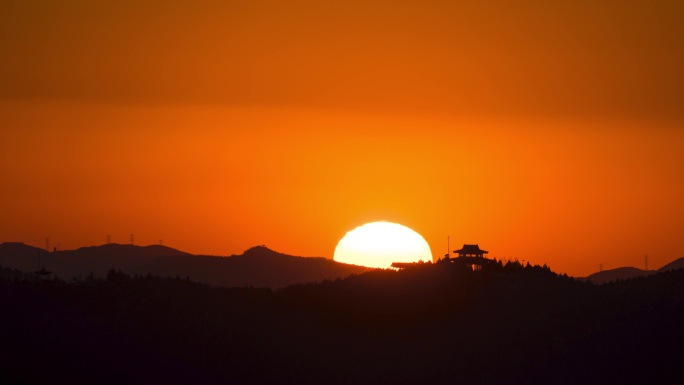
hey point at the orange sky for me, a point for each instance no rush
(551, 133)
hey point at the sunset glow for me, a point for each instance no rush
(341, 192)
(378, 244)
(217, 126)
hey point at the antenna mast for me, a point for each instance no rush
(448, 249)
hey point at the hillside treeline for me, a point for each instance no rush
(436, 323)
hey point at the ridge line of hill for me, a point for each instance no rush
(258, 266)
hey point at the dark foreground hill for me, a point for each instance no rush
(258, 266)
(433, 324)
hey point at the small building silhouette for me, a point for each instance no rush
(471, 256)
(471, 251)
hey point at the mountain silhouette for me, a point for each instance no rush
(258, 266)
(674, 265)
(622, 273)
(20, 256)
(605, 276)
(86, 260)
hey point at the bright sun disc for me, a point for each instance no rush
(378, 244)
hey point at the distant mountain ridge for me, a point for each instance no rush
(622, 273)
(674, 265)
(605, 276)
(258, 266)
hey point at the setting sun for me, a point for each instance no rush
(378, 244)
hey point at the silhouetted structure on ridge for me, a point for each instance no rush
(470, 255)
(471, 251)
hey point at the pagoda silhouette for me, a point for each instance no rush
(469, 255)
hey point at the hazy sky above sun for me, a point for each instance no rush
(545, 131)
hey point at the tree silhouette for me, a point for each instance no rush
(435, 323)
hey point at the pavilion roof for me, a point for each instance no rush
(471, 249)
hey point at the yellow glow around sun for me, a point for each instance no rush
(378, 244)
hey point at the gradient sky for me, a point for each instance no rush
(545, 132)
